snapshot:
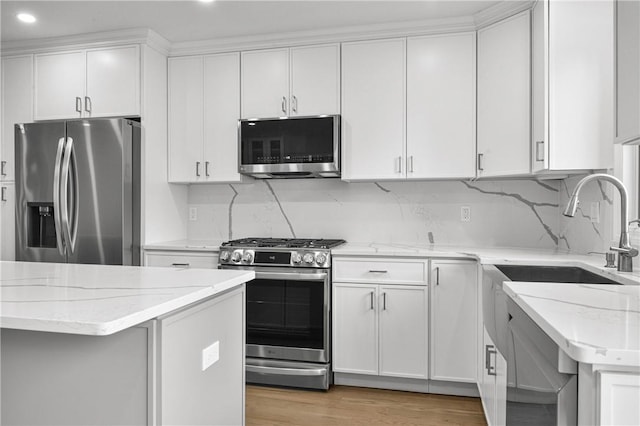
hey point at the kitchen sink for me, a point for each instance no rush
(554, 274)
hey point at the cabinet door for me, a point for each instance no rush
(113, 82)
(7, 221)
(265, 83)
(619, 393)
(403, 331)
(539, 83)
(17, 107)
(628, 71)
(441, 106)
(59, 81)
(185, 118)
(221, 114)
(453, 321)
(488, 380)
(504, 97)
(581, 83)
(355, 329)
(315, 80)
(373, 109)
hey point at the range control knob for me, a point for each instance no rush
(247, 257)
(308, 258)
(296, 258)
(224, 256)
(321, 258)
(235, 257)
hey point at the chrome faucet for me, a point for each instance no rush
(626, 253)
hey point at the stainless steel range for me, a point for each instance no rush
(288, 309)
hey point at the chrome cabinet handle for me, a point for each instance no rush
(480, 156)
(372, 299)
(87, 104)
(284, 104)
(538, 157)
(384, 301)
(378, 271)
(57, 224)
(294, 104)
(197, 168)
(184, 265)
(2, 164)
(437, 275)
(489, 350)
(206, 168)
(79, 104)
(410, 165)
(399, 164)
(3, 197)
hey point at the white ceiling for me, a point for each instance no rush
(180, 21)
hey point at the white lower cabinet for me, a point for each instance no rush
(618, 393)
(380, 317)
(380, 330)
(7, 221)
(453, 319)
(493, 383)
(181, 259)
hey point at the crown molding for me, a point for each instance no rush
(88, 41)
(333, 35)
(500, 11)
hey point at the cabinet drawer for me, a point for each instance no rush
(380, 271)
(181, 260)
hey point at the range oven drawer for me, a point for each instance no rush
(367, 270)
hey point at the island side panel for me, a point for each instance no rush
(213, 395)
(69, 379)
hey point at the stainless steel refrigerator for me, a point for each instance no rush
(78, 191)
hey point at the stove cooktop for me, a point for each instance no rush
(304, 243)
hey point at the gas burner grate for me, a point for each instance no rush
(284, 243)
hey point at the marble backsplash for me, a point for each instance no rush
(513, 213)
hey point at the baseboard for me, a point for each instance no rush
(410, 385)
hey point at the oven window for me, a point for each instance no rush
(285, 313)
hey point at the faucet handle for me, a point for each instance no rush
(625, 251)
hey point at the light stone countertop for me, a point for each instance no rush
(99, 299)
(593, 324)
(188, 245)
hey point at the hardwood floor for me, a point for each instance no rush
(344, 405)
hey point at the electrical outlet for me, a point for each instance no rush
(465, 214)
(193, 213)
(210, 355)
(595, 212)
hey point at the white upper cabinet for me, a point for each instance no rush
(628, 72)
(17, 107)
(299, 81)
(373, 110)
(573, 85)
(87, 83)
(204, 108)
(441, 106)
(504, 97)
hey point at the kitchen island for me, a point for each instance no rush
(94, 344)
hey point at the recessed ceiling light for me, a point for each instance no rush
(205, 1)
(26, 17)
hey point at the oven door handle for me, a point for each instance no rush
(292, 276)
(286, 371)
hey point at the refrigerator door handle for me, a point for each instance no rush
(69, 201)
(56, 196)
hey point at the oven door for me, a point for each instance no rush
(288, 314)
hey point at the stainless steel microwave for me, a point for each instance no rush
(290, 147)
